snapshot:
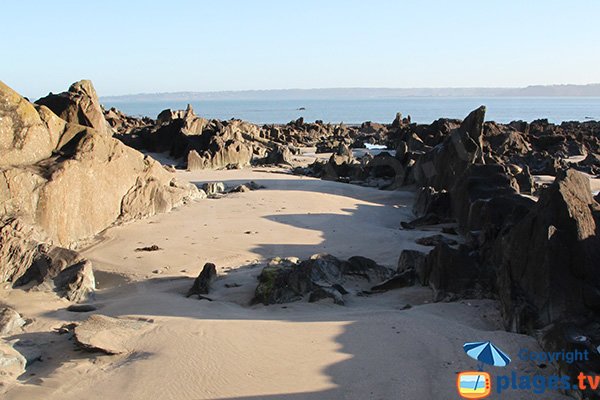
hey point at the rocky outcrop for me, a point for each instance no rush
(84, 182)
(79, 105)
(441, 167)
(547, 262)
(28, 259)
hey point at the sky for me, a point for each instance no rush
(128, 47)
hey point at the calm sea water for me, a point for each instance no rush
(421, 109)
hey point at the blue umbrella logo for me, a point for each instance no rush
(486, 353)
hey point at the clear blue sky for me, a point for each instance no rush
(151, 46)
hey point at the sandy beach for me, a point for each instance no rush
(374, 347)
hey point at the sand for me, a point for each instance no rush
(372, 348)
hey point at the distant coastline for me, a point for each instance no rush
(590, 90)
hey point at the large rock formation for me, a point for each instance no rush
(90, 182)
(443, 165)
(79, 105)
(547, 263)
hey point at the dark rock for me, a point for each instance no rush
(153, 247)
(441, 167)
(434, 240)
(547, 262)
(411, 259)
(453, 272)
(287, 280)
(321, 293)
(81, 308)
(403, 279)
(204, 280)
(430, 201)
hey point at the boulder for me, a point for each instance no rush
(79, 105)
(203, 282)
(288, 280)
(99, 333)
(10, 321)
(212, 188)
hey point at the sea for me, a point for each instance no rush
(382, 110)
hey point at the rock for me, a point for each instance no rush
(247, 187)
(366, 268)
(26, 259)
(430, 201)
(321, 293)
(12, 363)
(79, 105)
(411, 260)
(280, 155)
(81, 308)
(434, 240)
(384, 165)
(454, 272)
(403, 279)
(212, 188)
(547, 262)
(57, 193)
(10, 321)
(220, 154)
(204, 280)
(284, 281)
(24, 137)
(76, 282)
(108, 335)
(444, 164)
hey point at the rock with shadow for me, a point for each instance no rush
(321, 276)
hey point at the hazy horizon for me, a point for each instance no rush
(201, 46)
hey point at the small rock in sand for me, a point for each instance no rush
(10, 321)
(204, 280)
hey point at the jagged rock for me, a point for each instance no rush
(547, 262)
(204, 280)
(10, 321)
(108, 335)
(97, 179)
(444, 164)
(76, 282)
(79, 105)
(27, 259)
(280, 155)
(411, 259)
